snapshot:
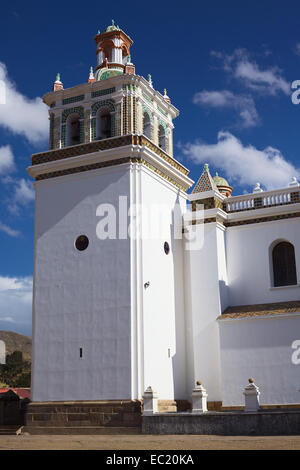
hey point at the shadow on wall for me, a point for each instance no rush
(179, 358)
(12, 408)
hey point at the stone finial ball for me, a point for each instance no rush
(251, 381)
(199, 382)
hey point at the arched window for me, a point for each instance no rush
(73, 130)
(284, 264)
(146, 125)
(103, 124)
(161, 137)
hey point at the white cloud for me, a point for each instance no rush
(6, 158)
(21, 115)
(243, 105)
(244, 164)
(22, 193)
(297, 49)
(8, 230)
(239, 65)
(269, 81)
(16, 303)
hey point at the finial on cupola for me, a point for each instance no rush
(91, 76)
(166, 98)
(57, 84)
(150, 80)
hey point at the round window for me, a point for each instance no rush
(82, 242)
(167, 248)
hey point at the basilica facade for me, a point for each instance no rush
(212, 295)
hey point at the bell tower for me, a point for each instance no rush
(107, 303)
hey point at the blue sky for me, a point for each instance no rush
(227, 66)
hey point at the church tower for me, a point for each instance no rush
(108, 303)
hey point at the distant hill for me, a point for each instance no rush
(16, 342)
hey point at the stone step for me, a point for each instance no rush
(81, 430)
(9, 430)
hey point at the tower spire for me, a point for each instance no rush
(114, 45)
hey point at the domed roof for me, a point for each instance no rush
(103, 74)
(219, 181)
(112, 27)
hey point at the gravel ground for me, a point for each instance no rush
(151, 442)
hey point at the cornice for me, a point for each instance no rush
(138, 152)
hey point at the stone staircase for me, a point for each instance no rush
(99, 417)
(10, 430)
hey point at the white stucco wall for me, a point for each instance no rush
(131, 337)
(81, 299)
(261, 348)
(163, 304)
(205, 276)
(248, 261)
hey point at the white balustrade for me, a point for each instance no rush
(264, 199)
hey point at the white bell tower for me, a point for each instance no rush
(108, 310)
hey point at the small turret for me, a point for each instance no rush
(57, 84)
(113, 53)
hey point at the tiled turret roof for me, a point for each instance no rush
(205, 182)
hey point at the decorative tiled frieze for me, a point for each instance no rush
(109, 163)
(208, 203)
(129, 87)
(144, 141)
(147, 98)
(73, 99)
(77, 110)
(161, 173)
(104, 145)
(81, 169)
(100, 104)
(258, 220)
(107, 91)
